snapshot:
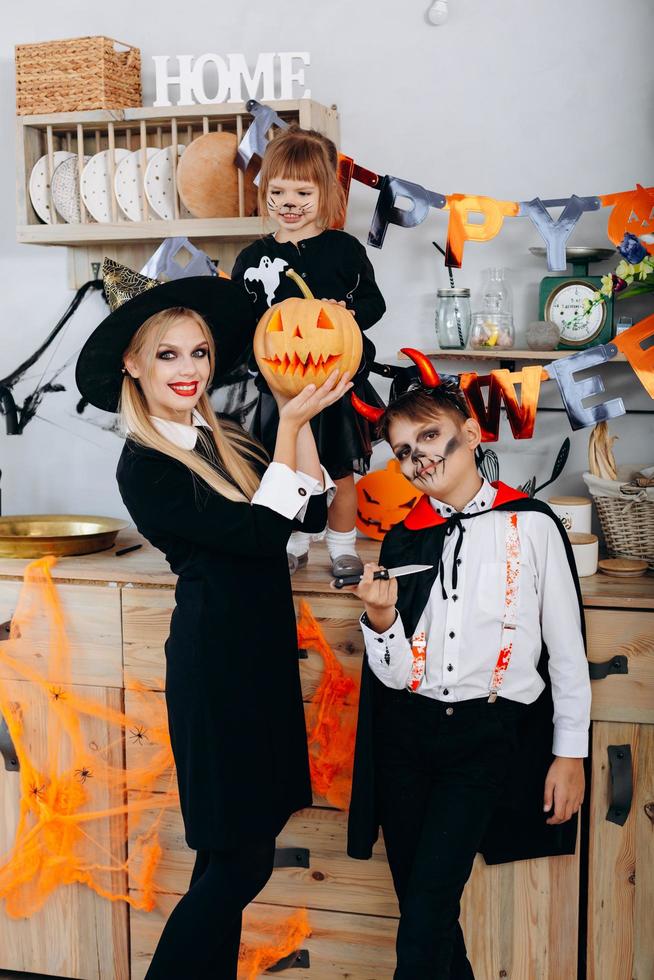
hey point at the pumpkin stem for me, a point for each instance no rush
(300, 283)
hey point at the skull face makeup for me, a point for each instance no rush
(425, 449)
(437, 455)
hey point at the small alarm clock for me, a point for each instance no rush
(562, 299)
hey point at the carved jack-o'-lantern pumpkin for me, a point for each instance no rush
(300, 341)
(384, 498)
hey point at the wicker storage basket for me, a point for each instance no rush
(81, 73)
(627, 520)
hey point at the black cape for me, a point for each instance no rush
(518, 830)
(233, 692)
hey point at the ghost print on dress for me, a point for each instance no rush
(268, 273)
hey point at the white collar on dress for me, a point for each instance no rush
(483, 500)
(179, 433)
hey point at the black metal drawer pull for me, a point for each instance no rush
(7, 750)
(292, 857)
(298, 959)
(621, 783)
(616, 665)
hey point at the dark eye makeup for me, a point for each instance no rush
(167, 354)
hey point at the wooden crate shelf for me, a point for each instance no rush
(94, 131)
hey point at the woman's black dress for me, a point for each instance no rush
(335, 266)
(232, 675)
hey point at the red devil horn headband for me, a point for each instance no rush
(428, 376)
(367, 411)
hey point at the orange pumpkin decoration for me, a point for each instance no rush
(301, 340)
(633, 211)
(384, 498)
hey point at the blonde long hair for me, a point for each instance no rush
(236, 478)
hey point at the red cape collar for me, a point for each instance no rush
(423, 514)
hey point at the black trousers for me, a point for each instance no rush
(439, 771)
(203, 934)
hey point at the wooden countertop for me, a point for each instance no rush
(146, 568)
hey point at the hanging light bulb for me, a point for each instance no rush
(438, 12)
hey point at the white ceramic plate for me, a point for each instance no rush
(97, 186)
(159, 184)
(65, 189)
(128, 184)
(40, 183)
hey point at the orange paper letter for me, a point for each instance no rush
(641, 359)
(460, 229)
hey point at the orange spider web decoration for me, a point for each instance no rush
(285, 938)
(73, 803)
(331, 724)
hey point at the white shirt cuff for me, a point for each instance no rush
(287, 492)
(572, 745)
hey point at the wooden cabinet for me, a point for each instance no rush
(621, 833)
(521, 920)
(76, 933)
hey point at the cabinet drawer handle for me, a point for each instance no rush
(292, 857)
(5, 630)
(7, 750)
(621, 783)
(298, 959)
(616, 665)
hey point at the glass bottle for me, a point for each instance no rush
(453, 318)
(496, 296)
(493, 326)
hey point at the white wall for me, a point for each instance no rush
(508, 99)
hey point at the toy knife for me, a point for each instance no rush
(385, 574)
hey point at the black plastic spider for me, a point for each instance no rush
(57, 693)
(139, 734)
(83, 774)
(37, 791)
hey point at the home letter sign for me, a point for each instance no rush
(228, 78)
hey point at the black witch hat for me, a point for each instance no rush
(134, 298)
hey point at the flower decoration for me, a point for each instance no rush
(633, 274)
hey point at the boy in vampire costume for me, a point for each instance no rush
(475, 693)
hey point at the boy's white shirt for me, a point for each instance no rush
(282, 489)
(463, 632)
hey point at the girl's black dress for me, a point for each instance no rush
(232, 675)
(335, 266)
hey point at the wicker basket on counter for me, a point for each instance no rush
(627, 520)
(76, 74)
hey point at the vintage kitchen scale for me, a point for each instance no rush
(561, 299)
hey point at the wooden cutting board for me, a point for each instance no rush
(207, 178)
(623, 567)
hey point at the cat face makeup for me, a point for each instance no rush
(293, 204)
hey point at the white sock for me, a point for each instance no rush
(341, 542)
(298, 543)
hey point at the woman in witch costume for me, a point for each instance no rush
(203, 491)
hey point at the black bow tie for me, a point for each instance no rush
(453, 524)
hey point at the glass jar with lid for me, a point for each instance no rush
(453, 318)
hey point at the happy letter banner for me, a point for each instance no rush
(632, 211)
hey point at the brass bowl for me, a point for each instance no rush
(36, 535)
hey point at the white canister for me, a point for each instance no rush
(573, 512)
(585, 548)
